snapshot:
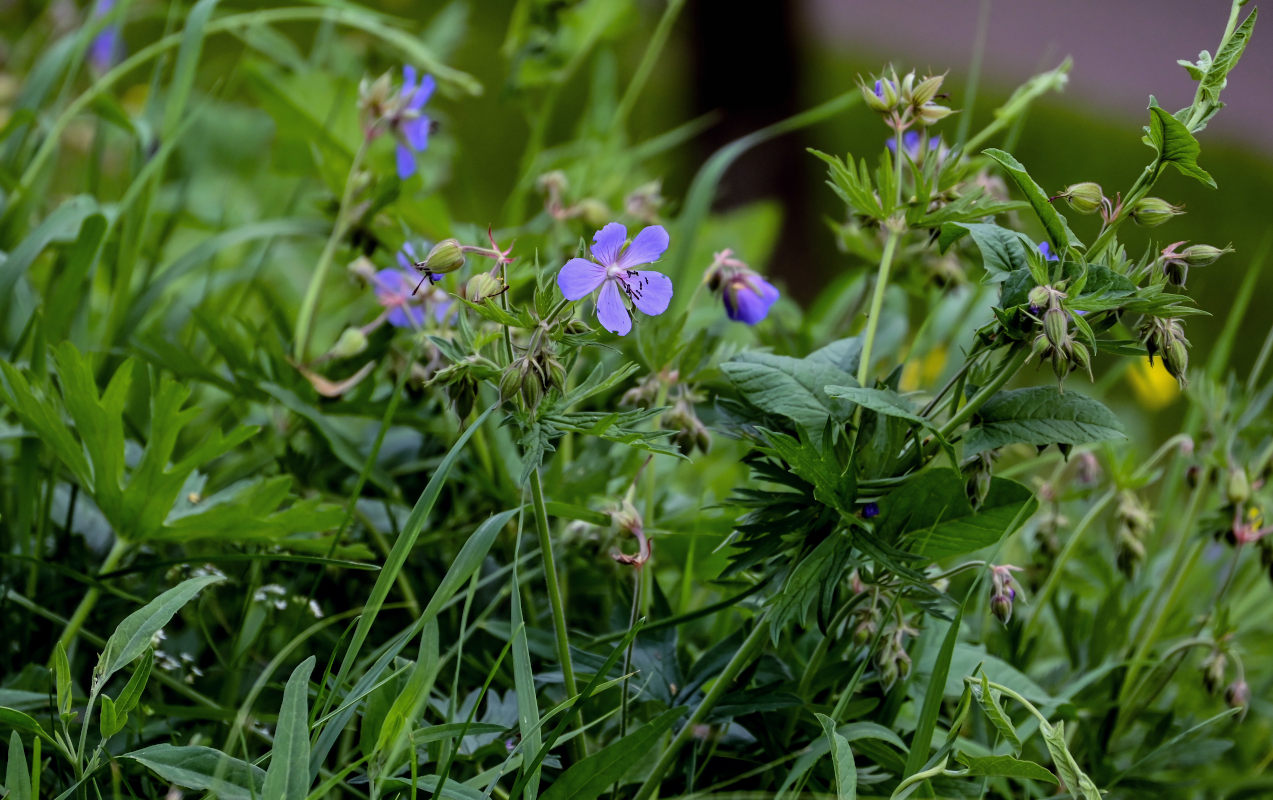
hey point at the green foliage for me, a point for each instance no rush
(468, 543)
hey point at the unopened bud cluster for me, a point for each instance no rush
(532, 375)
(690, 432)
(462, 379)
(1165, 337)
(892, 660)
(906, 101)
(1055, 343)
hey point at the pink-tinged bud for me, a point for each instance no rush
(1238, 694)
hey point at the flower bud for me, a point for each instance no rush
(1085, 197)
(1176, 357)
(1001, 607)
(1200, 255)
(1081, 358)
(927, 89)
(864, 632)
(931, 113)
(593, 212)
(352, 342)
(362, 268)
(446, 256)
(1039, 298)
(882, 97)
(1056, 325)
(510, 382)
(554, 182)
(1214, 668)
(481, 286)
(1238, 487)
(1238, 694)
(1153, 211)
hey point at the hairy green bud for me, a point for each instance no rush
(1056, 326)
(1085, 197)
(352, 342)
(482, 286)
(1200, 255)
(446, 256)
(1153, 211)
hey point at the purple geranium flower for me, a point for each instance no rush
(911, 144)
(107, 47)
(746, 295)
(395, 290)
(613, 270)
(412, 126)
(1046, 250)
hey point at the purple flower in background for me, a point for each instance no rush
(871, 510)
(613, 269)
(746, 295)
(411, 125)
(395, 290)
(107, 47)
(1046, 250)
(911, 144)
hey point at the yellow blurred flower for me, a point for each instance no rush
(923, 371)
(1153, 386)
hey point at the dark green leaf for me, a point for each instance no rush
(1057, 228)
(791, 388)
(133, 635)
(204, 769)
(594, 775)
(1175, 144)
(1006, 767)
(932, 516)
(846, 775)
(1040, 416)
(288, 775)
(1002, 251)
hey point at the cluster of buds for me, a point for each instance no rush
(461, 381)
(646, 393)
(1050, 522)
(1003, 591)
(907, 100)
(892, 660)
(1131, 523)
(1055, 343)
(554, 185)
(532, 375)
(1174, 264)
(449, 255)
(690, 432)
(1165, 336)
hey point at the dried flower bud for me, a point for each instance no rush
(1085, 197)
(1153, 211)
(1238, 694)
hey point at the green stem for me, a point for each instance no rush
(73, 625)
(877, 305)
(746, 653)
(1011, 364)
(648, 61)
(560, 633)
(309, 306)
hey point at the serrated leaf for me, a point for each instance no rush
(288, 775)
(846, 775)
(1054, 224)
(930, 514)
(815, 574)
(791, 388)
(1073, 777)
(594, 775)
(1175, 144)
(1040, 416)
(132, 636)
(997, 716)
(202, 768)
(1002, 251)
(1005, 767)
